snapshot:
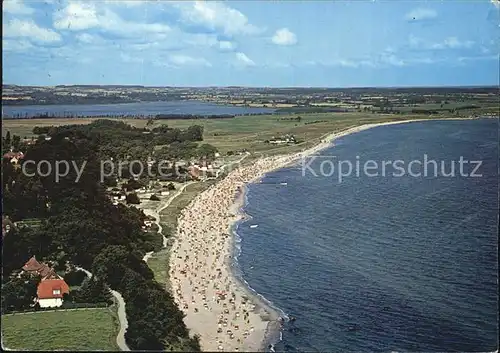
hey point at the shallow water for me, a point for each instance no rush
(382, 263)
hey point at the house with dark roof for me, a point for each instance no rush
(36, 268)
(52, 287)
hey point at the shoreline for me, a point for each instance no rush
(273, 327)
(210, 222)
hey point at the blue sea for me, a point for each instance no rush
(382, 263)
(142, 108)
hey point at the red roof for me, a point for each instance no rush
(47, 287)
(45, 270)
(10, 155)
(41, 269)
(32, 265)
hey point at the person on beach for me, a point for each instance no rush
(217, 310)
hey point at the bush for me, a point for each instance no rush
(132, 184)
(69, 305)
(92, 291)
(133, 199)
(110, 181)
(170, 186)
(75, 278)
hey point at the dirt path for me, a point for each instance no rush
(122, 316)
(156, 214)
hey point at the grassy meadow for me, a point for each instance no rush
(242, 132)
(81, 329)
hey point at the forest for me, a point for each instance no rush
(80, 225)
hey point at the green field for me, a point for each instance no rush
(81, 329)
(242, 132)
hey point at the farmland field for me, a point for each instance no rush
(242, 132)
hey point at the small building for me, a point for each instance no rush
(50, 292)
(28, 141)
(35, 268)
(52, 287)
(194, 172)
(283, 139)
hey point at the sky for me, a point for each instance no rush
(354, 43)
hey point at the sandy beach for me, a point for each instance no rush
(217, 307)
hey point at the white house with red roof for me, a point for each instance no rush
(52, 287)
(50, 292)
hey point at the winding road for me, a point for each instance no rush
(122, 316)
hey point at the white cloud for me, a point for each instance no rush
(179, 40)
(277, 65)
(392, 60)
(421, 14)
(382, 60)
(196, 39)
(226, 45)
(126, 3)
(29, 29)
(453, 43)
(22, 45)
(478, 58)
(17, 7)
(415, 42)
(244, 60)
(215, 16)
(352, 63)
(89, 38)
(448, 43)
(185, 60)
(79, 16)
(284, 36)
(348, 63)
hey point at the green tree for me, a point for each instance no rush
(206, 150)
(132, 198)
(16, 142)
(93, 290)
(7, 138)
(19, 293)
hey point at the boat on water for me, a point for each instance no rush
(283, 183)
(254, 226)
